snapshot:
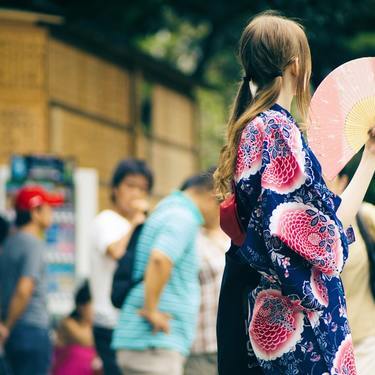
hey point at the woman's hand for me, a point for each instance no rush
(158, 320)
(140, 208)
(370, 144)
(353, 195)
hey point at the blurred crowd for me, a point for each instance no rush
(165, 263)
(162, 267)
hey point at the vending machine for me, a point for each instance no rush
(68, 238)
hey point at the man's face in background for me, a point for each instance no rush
(42, 216)
(132, 190)
(209, 208)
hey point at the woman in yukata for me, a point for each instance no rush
(297, 238)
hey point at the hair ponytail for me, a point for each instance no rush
(263, 99)
(268, 44)
(242, 101)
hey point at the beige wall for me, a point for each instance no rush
(23, 110)
(89, 110)
(56, 98)
(88, 83)
(173, 116)
(173, 145)
(171, 167)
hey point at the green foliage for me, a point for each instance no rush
(206, 33)
(362, 42)
(201, 37)
(213, 114)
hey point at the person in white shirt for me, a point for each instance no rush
(112, 228)
(212, 243)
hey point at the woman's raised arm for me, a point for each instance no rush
(353, 195)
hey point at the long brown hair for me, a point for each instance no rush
(269, 43)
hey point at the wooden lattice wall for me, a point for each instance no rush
(57, 98)
(89, 110)
(23, 105)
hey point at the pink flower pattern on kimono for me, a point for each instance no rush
(297, 321)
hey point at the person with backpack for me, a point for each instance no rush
(158, 320)
(112, 229)
(359, 281)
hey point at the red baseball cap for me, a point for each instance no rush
(30, 197)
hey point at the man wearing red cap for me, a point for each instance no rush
(24, 330)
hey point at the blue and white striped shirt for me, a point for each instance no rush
(172, 229)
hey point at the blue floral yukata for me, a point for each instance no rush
(297, 321)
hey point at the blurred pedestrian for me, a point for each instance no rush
(212, 243)
(4, 231)
(359, 281)
(131, 184)
(158, 320)
(74, 350)
(25, 322)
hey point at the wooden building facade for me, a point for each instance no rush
(72, 96)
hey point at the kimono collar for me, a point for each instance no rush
(279, 108)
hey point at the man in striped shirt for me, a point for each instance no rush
(158, 320)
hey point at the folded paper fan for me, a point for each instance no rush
(342, 111)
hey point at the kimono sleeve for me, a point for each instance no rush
(298, 207)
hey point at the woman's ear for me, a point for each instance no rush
(294, 67)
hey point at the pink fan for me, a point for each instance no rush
(341, 113)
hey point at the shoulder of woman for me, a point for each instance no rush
(264, 125)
